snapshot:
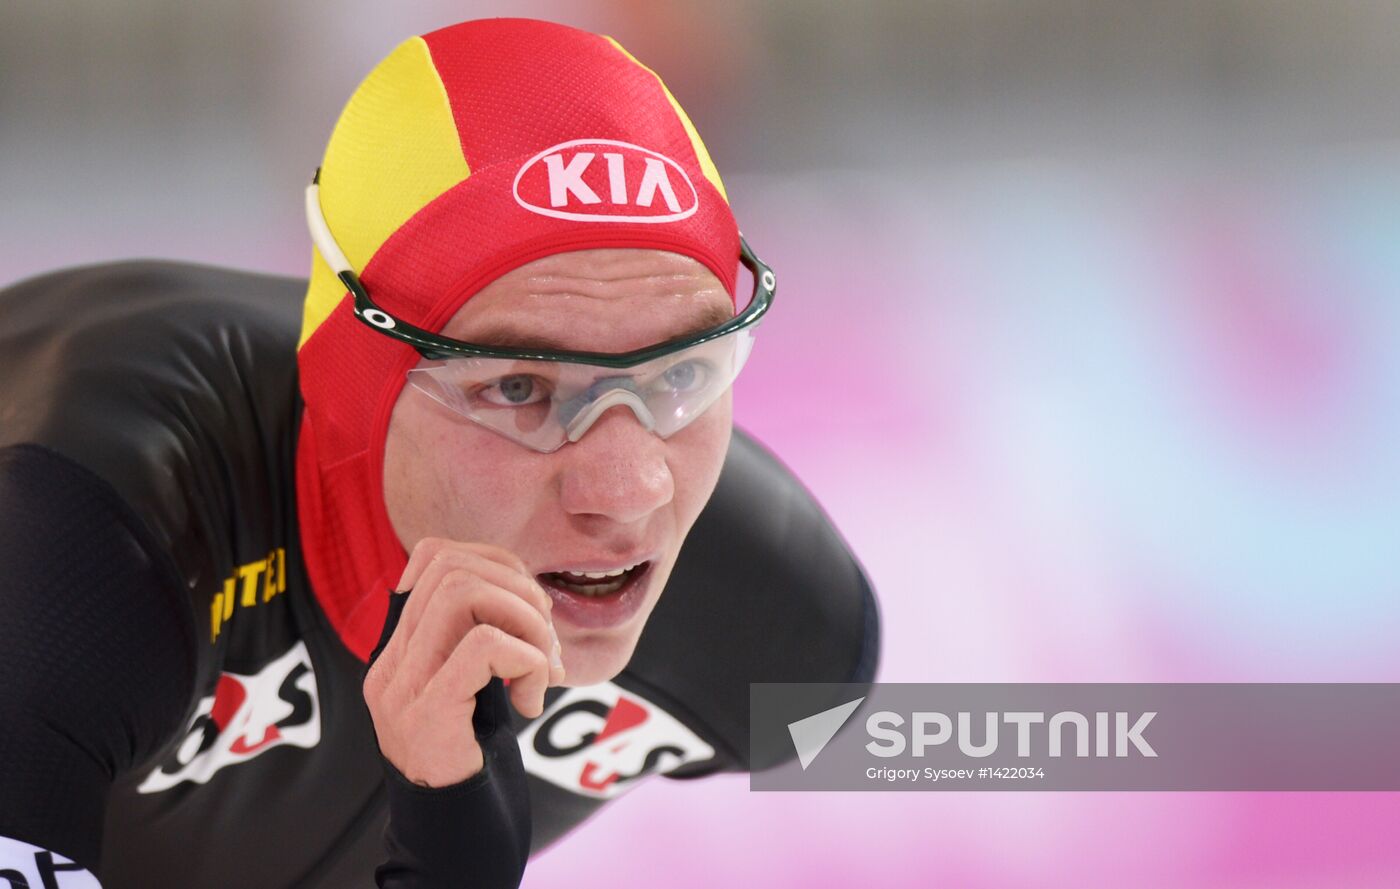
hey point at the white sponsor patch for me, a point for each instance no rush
(246, 716)
(603, 180)
(23, 866)
(600, 740)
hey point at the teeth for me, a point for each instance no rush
(587, 583)
(599, 575)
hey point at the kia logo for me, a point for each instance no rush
(603, 180)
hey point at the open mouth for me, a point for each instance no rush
(595, 584)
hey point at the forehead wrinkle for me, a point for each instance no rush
(517, 329)
(612, 262)
(671, 294)
(684, 303)
(677, 284)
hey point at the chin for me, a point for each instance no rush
(595, 663)
(582, 678)
(592, 656)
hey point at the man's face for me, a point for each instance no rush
(618, 496)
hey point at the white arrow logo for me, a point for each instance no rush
(810, 735)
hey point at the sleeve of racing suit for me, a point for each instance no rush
(96, 661)
(474, 833)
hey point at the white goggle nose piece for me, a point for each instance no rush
(614, 397)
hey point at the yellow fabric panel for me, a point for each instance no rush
(706, 165)
(322, 296)
(394, 149)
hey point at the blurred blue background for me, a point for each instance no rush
(1088, 340)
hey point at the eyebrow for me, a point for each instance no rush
(524, 338)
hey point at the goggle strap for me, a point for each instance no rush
(321, 233)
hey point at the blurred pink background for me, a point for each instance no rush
(1088, 339)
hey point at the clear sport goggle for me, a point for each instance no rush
(543, 399)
